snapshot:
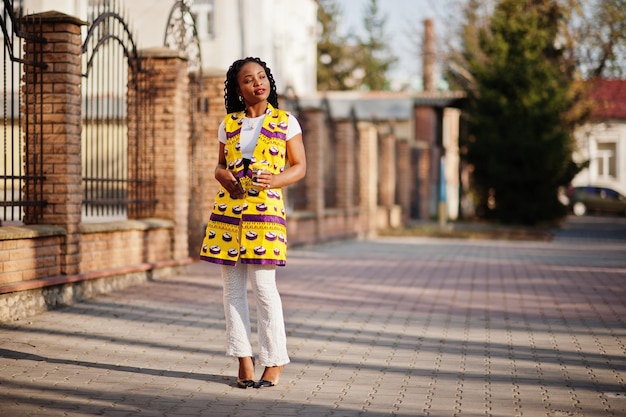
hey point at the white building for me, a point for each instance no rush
(602, 141)
(283, 33)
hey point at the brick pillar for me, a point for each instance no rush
(387, 170)
(314, 128)
(206, 160)
(425, 137)
(405, 178)
(450, 133)
(60, 125)
(423, 180)
(368, 172)
(344, 148)
(203, 156)
(169, 82)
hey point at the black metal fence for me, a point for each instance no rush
(118, 173)
(21, 171)
(118, 177)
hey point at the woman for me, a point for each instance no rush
(261, 151)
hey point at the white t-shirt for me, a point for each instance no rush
(250, 129)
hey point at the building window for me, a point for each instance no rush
(204, 16)
(99, 3)
(210, 23)
(607, 161)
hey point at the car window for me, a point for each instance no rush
(599, 192)
(611, 194)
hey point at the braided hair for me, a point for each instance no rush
(231, 97)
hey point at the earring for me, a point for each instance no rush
(241, 99)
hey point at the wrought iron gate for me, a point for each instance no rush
(21, 170)
(117, 148)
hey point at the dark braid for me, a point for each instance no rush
(231, 98)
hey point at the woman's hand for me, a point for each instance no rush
(263, 179)
(295, 171)
(229, 182)
(226, 178)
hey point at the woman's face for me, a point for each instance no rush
(254, 86)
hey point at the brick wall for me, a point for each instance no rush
(29, 255)
(136, 242)
(60, 259)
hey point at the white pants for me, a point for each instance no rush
(270, 321)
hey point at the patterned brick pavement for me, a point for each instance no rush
(386, 327)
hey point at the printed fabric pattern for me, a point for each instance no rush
(251, 230)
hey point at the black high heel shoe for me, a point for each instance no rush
(266, 383)
(263, 383)
(245, 383)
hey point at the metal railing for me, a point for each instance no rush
(117, 148)
(21, 167)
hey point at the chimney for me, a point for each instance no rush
(428, 56)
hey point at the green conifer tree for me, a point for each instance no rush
(375, 56)
(520, 136)
(333, 63)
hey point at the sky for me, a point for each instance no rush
(404, 27)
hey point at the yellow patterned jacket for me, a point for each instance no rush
(251, 230)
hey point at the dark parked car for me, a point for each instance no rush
(583, 200)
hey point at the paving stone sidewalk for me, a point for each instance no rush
(404, 327)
